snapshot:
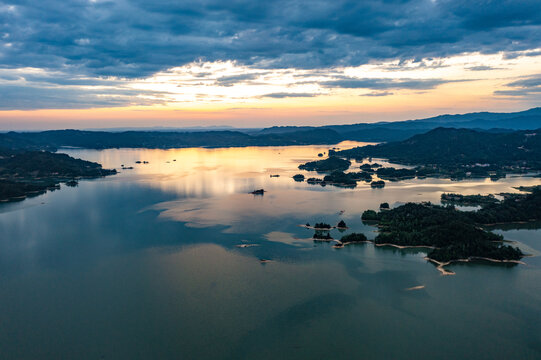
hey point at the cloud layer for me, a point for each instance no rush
(136, 38)
(79, 54)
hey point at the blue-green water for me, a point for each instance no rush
(145, 264)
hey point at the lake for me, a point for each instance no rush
(146, 264)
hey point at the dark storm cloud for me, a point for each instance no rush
(135, 38)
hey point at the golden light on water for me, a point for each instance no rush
(212, 187)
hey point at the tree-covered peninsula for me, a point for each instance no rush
(468, 200)
(452, 234)
(24, 173)
(457, 153)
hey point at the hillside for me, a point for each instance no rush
(449, 146)
(158, 139)
(401, 130)
(272, 136)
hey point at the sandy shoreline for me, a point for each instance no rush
(320, 229)
(324, 240)
(418, 287)
(441, 265)
(407, 246)
(340, 244)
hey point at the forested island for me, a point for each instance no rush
(353, 238)
(24, 173)
(456, 153)
(449, 235)
(335, 168)
(468, 200)
(443, 152)
(454, 235)
(330, 164)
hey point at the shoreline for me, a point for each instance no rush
(440, 265)
(55, 184)
(445, 272)
(418, 287)
(340, 244)
(320, 229)
(325, 240)
(407, 246)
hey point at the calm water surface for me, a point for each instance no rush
(145, 264)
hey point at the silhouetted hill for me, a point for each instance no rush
(401, 130)
(154, 139)
(458, 146)
(273, 136)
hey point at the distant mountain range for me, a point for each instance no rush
(54, 139)
(273, 136)
(401, 130)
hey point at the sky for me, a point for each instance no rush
(250, 63)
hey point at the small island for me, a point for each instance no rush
(367, 168)
(298, 177)
(393, 174)
(322, 235)
(322, 226)
(341, 225)
(330, 164)
(377, 184)
(353, 238)
(340, 179)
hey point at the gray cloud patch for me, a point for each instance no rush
(378, 93)
(384, 84)
(482, 68)
(235, 79)
(16, 97)
(523, 87)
